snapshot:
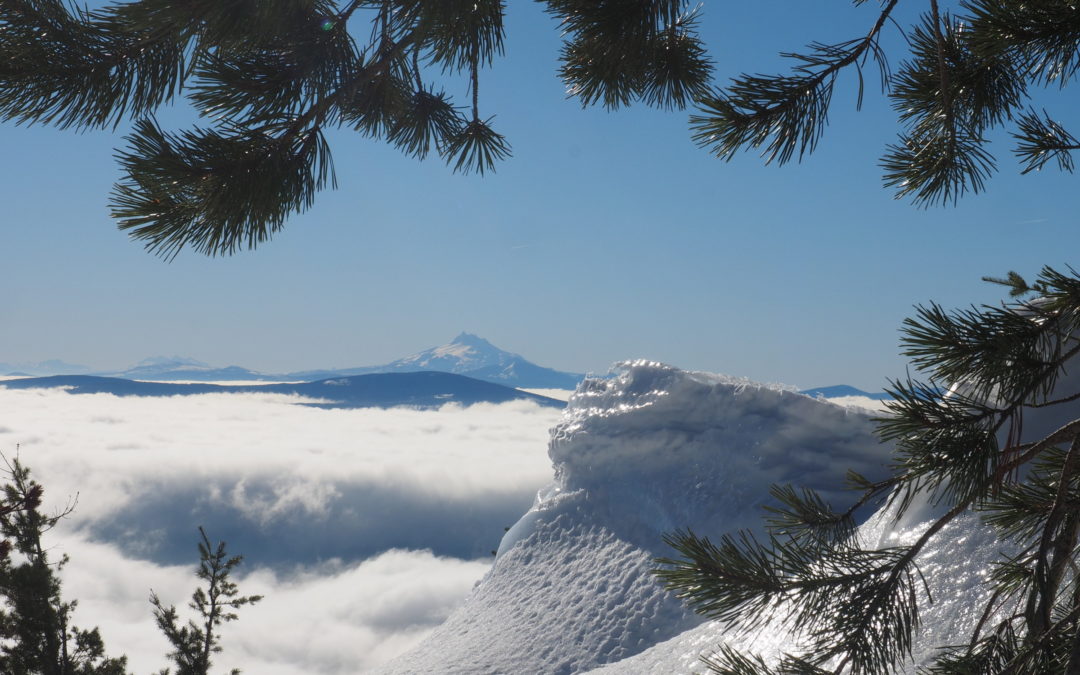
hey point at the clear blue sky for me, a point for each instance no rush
(607, 236)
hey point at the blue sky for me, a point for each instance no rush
(607, 236)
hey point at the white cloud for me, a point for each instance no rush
(313, 498)
(334, 619)
(557, 394)
(864, 402)
(260, 469)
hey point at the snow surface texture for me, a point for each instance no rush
(635, 457)
(956, 573)
(658, 448)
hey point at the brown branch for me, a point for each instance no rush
(1057, 401)
(1009, 410)
(1013, 666)
(475, 79)
(344, 15)
(1068, 431)
(987, 611)
(1073, 668)
(315, 115)
(863, 46)
(835, 67)
(1048, 574)
(943, 71)
(869, 494)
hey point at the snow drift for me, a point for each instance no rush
(637, 456)
(956, 566)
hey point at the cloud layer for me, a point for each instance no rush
(362, 527)
(285, 483)
(331, 619)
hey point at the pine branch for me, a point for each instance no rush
(1022, 662)
(214, 191)
(1055, 547)
(947, 96)
(82, 70)
(988, 657)
(427, 120)
(1040, 37)
(453, 32)
(1014, 282)
(279, 78)
(728, 661)
(943, 70)
(848, 600)
(1073, 666)
(1020, 510)
(659, 59)
(476, 147)
(1041, 139)
(785, 113)
(804, 513)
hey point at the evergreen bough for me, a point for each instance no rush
(959, 445)
(270, 77)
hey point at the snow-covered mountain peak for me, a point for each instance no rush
(466, 352)
(472, 340)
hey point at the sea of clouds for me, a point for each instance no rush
(363, 528)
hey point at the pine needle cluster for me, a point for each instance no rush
(617, 52)
(965, 74)
(959, 444)
(269, 78)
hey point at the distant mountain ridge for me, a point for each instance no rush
(181, 368)
(473, 356)
(838, 390)
(467, 354)
(50, 367)
(427, 389)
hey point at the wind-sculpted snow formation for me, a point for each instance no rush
(955, 566)
(637, 456)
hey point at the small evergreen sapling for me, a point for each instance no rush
(36, 634)
(194, 644)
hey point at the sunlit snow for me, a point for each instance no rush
(635, 457)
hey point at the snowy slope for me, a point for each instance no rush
(656, 449)
(956, 576)
(634, 457)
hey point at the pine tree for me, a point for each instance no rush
(269, 77)
(36, 635)
(194, 644)
(959, 444)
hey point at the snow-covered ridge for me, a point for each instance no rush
(636, 456)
